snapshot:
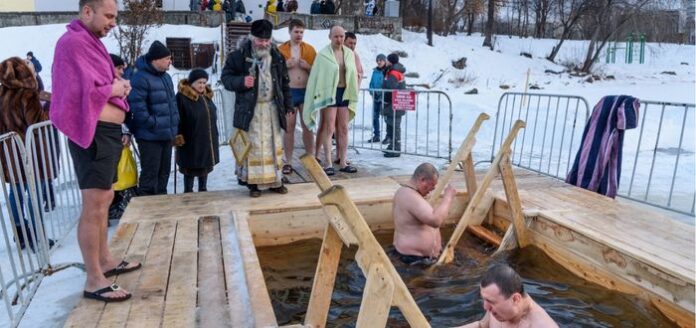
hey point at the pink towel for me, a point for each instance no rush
(82, 76)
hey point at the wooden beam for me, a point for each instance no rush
(470, 176)
(324, 279)
(372, 253)
(484, 234)
(258, 292)
(448, 253)
(180, 306)
(377, 298)
(212, 293)
(463, 153)
(514, 202)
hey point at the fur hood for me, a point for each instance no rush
(15, 74)
(187, 90)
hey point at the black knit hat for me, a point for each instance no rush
(197, 73)
(262, 29)
(393, 58)
(157, 51)
(117, 61)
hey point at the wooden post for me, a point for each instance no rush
(464, 153)
(377, 298)
(448, 253)
(327, 265)
(470, 177)
(372, 253)
(513, 198)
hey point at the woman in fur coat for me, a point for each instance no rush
(20, 107)
(197, 143)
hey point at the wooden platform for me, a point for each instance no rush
(200, 267)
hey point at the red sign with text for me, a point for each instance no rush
(404, 100)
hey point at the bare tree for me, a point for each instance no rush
(542, 8)
(135, 22)
(472, 8)
(609, 16)
(569, 13)
(490, 25)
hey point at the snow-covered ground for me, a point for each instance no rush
(486, 71)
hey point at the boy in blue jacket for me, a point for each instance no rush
(376, 83)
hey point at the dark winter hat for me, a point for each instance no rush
(30, 53)
(381, 57)
(197, 73)
(157, 51)
(118, 61)
(393, 58)
(262, 29)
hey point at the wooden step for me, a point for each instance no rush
(485, 234)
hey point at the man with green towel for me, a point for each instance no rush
(332, 89)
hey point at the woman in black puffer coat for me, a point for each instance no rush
(197, 144)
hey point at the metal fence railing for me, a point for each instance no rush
(658, 159)
(23, 251)
(42, 203)
(553, 133)
(424, 131)
(658, 156)
(59, 199)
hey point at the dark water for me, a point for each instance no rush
(449, 295)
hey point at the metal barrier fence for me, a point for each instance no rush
(659, 163)
(555, 124)
(60, 200)
(23, 250)
(42, 203)
(425, 131)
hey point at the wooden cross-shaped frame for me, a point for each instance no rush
(474, 211)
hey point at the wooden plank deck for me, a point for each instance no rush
(199, 257)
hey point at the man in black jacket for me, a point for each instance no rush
(257, 73)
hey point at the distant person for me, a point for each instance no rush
(393, 80)
(81, 66)
(280, 7)
(507, 304)
(195, 5)
(315, 8)
(332, 90)
(291, 6)
(197, 144)
(299, 57)
(370, 7)
(376, 82)
(328, 7)
(154, 118)
(417, 224)
(119, 65)
(37, 64)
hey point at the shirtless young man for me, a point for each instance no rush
(506, 303)
(299, 57)
(417, 224)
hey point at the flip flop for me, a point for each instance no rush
(287, 169)
(122, 268)
(348, 169)
(329, 171)
(99, 294)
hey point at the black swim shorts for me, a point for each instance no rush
(95, 166)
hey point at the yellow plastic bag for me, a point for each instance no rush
(127, 171)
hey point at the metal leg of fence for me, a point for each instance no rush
(635, 159)
(657, 142)
(676, 163)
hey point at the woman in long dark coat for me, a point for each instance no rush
(197, 144)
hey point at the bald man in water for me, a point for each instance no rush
(507, 304)
(417, 224)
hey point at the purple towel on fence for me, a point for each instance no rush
(597, 165)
